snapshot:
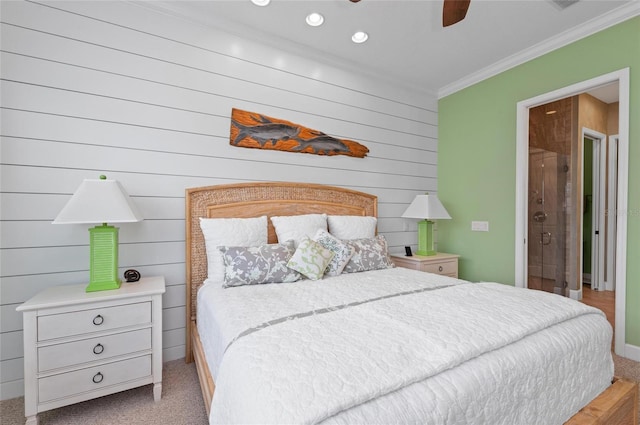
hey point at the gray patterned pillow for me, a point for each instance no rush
(258, 264)
(342, 251)
(368, 254)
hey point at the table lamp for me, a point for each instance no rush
(427, 207)
(100, 201)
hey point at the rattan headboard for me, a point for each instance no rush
(253, 200)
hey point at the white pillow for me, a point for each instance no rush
(352, 226)
(230, 232)
(296, 227)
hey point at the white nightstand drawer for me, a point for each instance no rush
(444, 268)
(92, 378)
(87, 350)
(93, 320)
(440, 263)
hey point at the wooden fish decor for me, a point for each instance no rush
(252, 130)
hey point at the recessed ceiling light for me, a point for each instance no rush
(260, 2)
(315, 19)
(359, 37)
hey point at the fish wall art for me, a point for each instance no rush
(253, 130)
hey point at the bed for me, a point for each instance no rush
(392, 372)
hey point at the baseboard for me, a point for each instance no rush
(586, 278)
(575, 295)
(12, 389)
(172, 353)
(632, 352)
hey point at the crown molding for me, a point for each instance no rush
(616, 16)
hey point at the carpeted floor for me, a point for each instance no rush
(627, 369)
(181, 402)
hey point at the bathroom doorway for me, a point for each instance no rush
(567, 203)
(615, 271)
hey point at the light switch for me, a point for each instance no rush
(480, 226)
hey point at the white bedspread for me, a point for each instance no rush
(465, 353)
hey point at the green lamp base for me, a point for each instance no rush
(426, 243)
(103, 271)
(103, 286)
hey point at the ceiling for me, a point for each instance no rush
(407, 43)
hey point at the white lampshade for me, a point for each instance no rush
(99, 201)
(426, 207)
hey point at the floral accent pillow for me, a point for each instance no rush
(311, 259)
(369, 254)
(342, 251)
(256, 265)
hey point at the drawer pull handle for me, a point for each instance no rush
(98, 349)
(98, 377)
(98, 320)
(440, 269)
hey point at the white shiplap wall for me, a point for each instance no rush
(144, 97)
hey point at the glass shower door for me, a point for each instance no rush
(548, 229)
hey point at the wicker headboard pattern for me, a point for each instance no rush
(253, 200)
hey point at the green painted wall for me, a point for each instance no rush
(477, 148)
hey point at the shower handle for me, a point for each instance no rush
(542, 236)
(539, 216)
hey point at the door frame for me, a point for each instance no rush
(522, 147)
(597, 217)
(612, 188)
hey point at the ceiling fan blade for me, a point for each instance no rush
(354, 1)
(454, 11)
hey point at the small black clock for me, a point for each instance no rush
(132, 275)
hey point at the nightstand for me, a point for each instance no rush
(441, 263)
(81, 345)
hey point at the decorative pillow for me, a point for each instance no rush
(255, 265)
(230, 232)
(369, 254)
(296, 227)
(352, 226)
(311, 259)
(342, 251)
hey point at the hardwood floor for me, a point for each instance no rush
(604, 300)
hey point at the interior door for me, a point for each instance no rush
(594, 190)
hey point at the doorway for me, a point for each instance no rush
(522, 240)
(567, 196)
